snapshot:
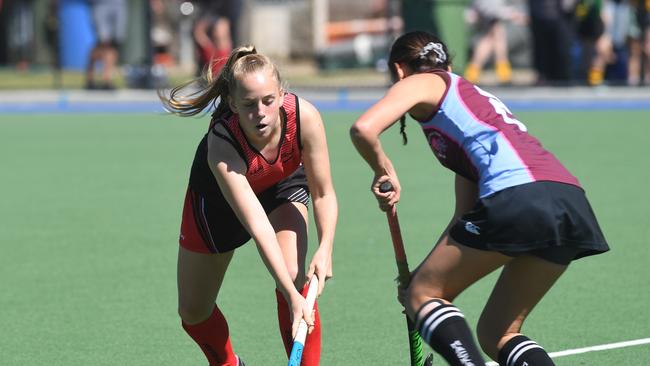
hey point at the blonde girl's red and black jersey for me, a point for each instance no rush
(260, 173)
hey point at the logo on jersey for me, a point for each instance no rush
(257, 169)
(470, 227)
(438, 144)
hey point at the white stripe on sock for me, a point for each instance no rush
(519, 350)
(433, 315)
(436, 318)
(517, 347)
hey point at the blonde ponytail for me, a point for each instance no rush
(191, 98)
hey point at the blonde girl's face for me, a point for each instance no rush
(257, 100)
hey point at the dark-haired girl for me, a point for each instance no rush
(517, 207)
(262, 157)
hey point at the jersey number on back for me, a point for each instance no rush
(502, 110)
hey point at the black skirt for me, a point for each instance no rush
(549, 219)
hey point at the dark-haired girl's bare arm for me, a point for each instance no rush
(414, 94)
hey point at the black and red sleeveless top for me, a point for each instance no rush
(260, 173)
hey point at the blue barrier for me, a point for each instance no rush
(77, 36)
(67, 106)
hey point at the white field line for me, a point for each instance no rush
(601, 347)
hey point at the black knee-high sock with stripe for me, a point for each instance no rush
(521, 351)
(444, 328)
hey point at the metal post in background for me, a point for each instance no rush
(643, 24)
(185, 42)
(153, 76)
(51, 30)
(320, 15)
(393, 11)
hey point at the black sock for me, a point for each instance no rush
(444, 328)
(521, 351)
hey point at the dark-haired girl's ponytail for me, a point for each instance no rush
(402, 129)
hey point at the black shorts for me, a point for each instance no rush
(550, 220)
(210, 226)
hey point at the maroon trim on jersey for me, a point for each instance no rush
(481, 103)
(447, 79)
(540, 164)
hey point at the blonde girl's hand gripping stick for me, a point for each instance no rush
(301, 334)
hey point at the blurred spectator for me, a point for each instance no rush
(20, 29)
(550, 22)
(214, 32)
(488, 17)
(109, 17)
(162, 34)
(610, 54)
(595, 44)
(639, 59)
(51, 29)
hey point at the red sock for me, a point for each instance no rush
(311, 352)
(213, 337)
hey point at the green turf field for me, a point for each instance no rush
(90, 208)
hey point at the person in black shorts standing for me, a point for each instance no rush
(110, 21)
(215, 32)
(254, 171)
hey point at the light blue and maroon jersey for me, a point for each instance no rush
(475, 135)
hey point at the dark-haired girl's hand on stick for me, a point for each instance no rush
(386, 199)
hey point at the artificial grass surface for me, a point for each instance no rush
(90, 215)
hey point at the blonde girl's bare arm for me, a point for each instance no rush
(317, 167)
(229, 170)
